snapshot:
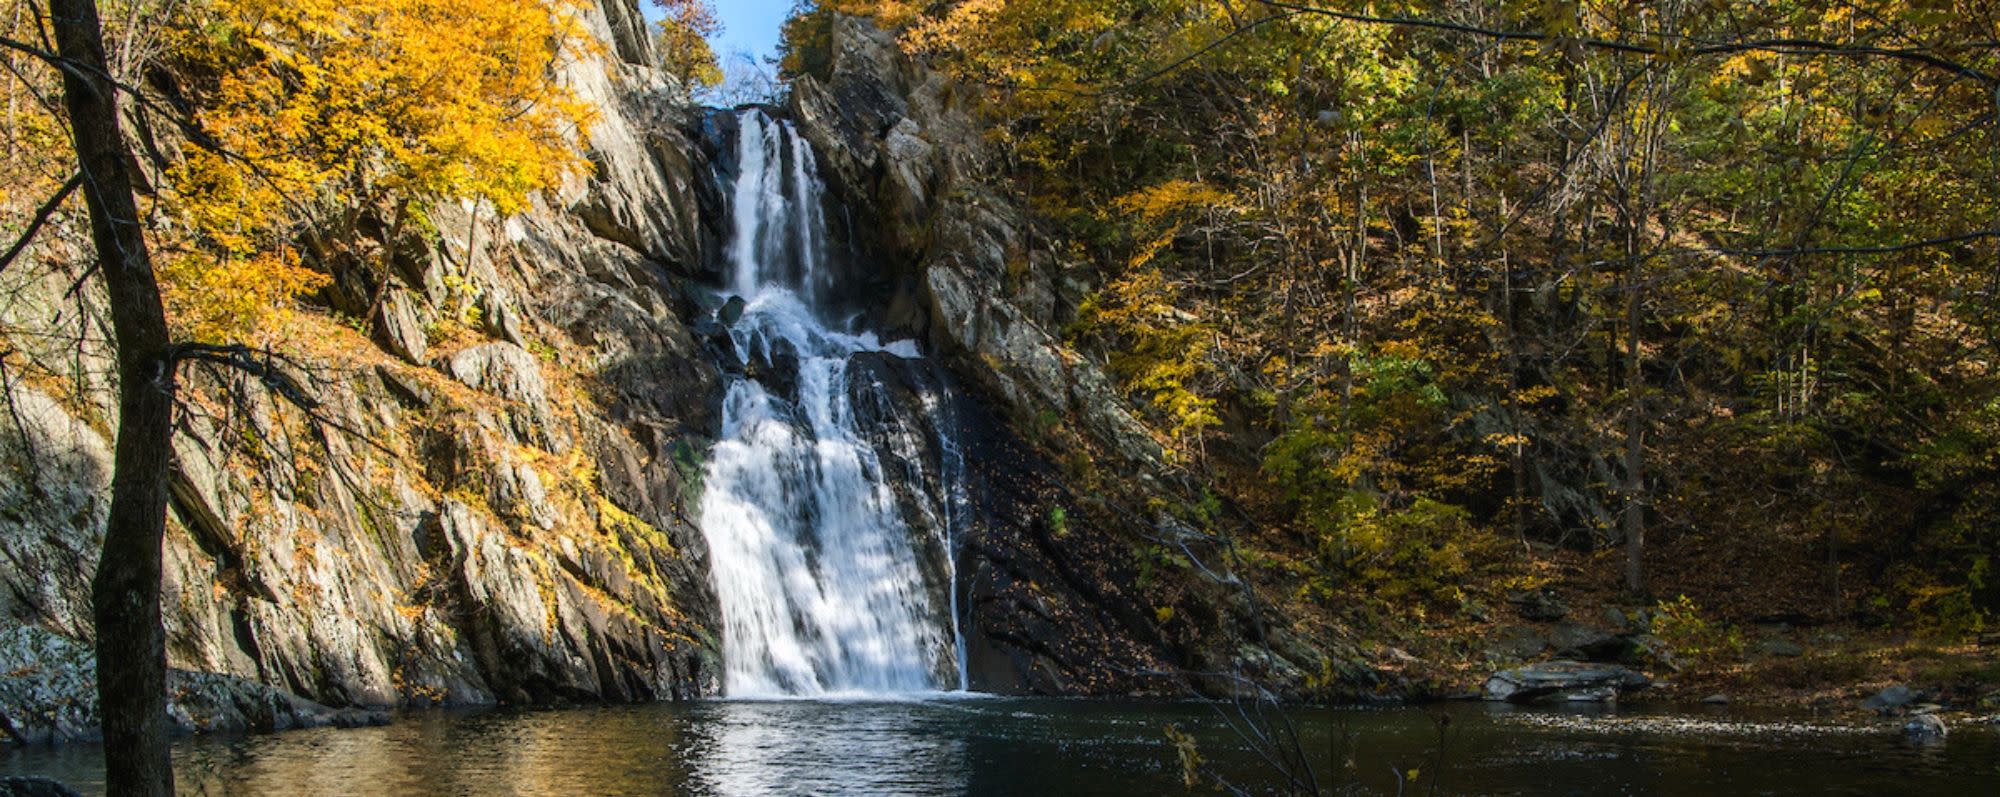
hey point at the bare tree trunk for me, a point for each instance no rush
(131, 644)
(1635, 442)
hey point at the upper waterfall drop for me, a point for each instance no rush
(820, 578)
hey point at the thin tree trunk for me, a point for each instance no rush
(131, 644)
(1635, 447)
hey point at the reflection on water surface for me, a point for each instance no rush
(995, 746)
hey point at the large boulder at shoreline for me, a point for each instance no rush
(1924, 728)
(1567, 681)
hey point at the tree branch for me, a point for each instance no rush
(42, 215)
(1785, 46)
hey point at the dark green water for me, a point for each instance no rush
(1033, 747)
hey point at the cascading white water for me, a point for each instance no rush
(821, 586)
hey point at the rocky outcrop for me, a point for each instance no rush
(48, 694)
(488, 501)
(900, 143)
(1565, 681)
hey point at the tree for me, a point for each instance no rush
(685, 28)
(131, 643)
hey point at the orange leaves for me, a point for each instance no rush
(327, 110)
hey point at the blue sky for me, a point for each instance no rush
(749, 26)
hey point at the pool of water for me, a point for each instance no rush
(960, 745)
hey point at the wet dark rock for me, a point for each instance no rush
(34, 787)
(718, 346)
(1579, 641)
(48, 695)
(776, 367)
(732, 311)
(1050, 608)
(1564, 681)
(1892, 699)
(1925, 728)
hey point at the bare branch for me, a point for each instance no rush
(1783, 46)
(42, 215)
(273, 371)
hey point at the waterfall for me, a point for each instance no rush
(820, 577)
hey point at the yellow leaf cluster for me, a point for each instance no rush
(322, 112)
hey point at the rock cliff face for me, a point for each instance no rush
(901, 144)
(493, 507)
(1072, 584)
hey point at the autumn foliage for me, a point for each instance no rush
(320, 114)
(1406, 277)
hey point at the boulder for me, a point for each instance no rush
(732, 311)
(1564, 681)
(1891, 699)
(1924, 728)
(1579, 641)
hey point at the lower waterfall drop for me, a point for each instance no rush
(820, 578)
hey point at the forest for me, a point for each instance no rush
(363, 357)
(1700, 292)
